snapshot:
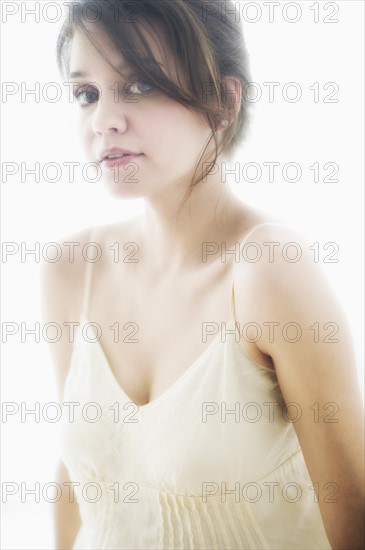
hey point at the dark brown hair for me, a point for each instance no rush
(203, 36)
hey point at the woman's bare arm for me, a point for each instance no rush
(314, 361)
(61, 302)
(66, 513)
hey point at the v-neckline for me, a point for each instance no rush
(174, 385)
(187, 372)
(191, 368)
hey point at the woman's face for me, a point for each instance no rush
(168, 136)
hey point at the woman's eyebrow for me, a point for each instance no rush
(81, 74)
(78, 74)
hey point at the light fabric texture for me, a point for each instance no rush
(212, 463)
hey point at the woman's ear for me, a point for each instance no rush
(231, 98)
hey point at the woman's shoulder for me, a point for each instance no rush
(266, 241)
(90, 245)
(263, 227)
(79, 247)
(278, 276)
(61, 279)
(70, 252)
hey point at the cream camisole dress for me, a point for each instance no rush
(213, 462)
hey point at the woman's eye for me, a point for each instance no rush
(86, 95)
(88, 92)
(139, 87)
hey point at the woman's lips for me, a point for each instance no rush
(121, 161)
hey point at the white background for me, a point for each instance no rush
(304, 132)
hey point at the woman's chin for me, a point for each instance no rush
(124, 190)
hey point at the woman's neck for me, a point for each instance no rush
(173, 237)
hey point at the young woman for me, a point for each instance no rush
(207, 412)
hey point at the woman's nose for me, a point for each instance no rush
(109, 115)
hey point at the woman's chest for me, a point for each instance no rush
(152, 334)
(151, 346)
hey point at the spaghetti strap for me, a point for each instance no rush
(243, 242)
(87, 281)
(233, 309)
